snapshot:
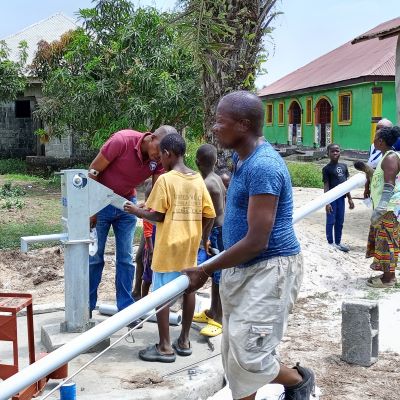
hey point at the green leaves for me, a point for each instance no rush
(12, 77)
(125, 69)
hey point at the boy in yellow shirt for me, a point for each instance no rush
(183, 211)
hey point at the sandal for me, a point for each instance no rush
(152, 353)
(375, 267)
(376, 282)
(181, 351)
(201, 317)
(212, 329)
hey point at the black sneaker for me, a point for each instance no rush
(134, 324)
(303, 390)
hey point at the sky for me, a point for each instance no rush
(306, 30)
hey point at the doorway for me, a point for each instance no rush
(323, 123)
(294, 130)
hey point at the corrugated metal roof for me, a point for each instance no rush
(386, 29)
(49, 29)
(370, 58)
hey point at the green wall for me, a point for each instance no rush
(355, 136)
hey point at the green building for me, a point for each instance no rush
(338, 97)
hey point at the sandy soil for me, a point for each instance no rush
(313, 335)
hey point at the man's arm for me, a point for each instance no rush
(350, 200)
(99, 164)
(261, 218)
(207, 224)
(328, 207)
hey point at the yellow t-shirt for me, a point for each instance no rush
(184, 200)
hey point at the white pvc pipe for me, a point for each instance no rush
(88, 339)
(354, 182)
(111, 309)
(80, 344)
(25, 240)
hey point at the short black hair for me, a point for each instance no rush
(328, 149)
(389, 135)
(174, 143)
(245, 105)
(207, 154)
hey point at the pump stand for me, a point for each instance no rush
(81, 198)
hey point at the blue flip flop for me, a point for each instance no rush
(181, 351)
(152, 353)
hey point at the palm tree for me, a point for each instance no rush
(227, 37)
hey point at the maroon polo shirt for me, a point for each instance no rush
(127, 168)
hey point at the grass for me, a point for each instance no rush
(306, 175)
(29, 206)
(12, 166)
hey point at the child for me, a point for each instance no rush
(206, 158)
(149, 233)
(184, 213)
(334, 174)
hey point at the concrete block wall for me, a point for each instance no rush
(59, 147)
(16, 134)
(360, 329)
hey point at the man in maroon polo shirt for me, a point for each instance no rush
(125, 161)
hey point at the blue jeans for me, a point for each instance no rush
(216, 243)
(335, 219)
(124, 228)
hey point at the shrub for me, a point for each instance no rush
(7, 191)
(12, 166)
(305, 175)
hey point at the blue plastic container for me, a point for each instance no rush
(68, 391)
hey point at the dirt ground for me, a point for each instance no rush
(314, 331)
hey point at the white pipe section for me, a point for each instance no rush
(88, 339)
(25, 240)
(111, 309)
(354, 182)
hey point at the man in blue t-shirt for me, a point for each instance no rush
(262, 266)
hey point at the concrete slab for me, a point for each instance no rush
(52, 338)
(120, 374)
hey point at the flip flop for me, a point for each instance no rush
(376, 282)
(152, 353)
(181, 351)
(212, 329)
(201, 317)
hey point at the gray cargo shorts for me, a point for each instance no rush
(256, 302)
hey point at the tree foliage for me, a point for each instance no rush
(12, 77)
(227, 40)
(124, 68)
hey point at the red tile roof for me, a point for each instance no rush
(365, 59)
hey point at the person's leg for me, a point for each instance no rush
(145, 288)
(188, 305)
(139, 270)
(339, 219)
(330, 221)
(263, 296)
(164, 344)
(147, 275)
(124, 229)
(96, 262)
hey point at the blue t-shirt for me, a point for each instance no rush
(263, 172)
